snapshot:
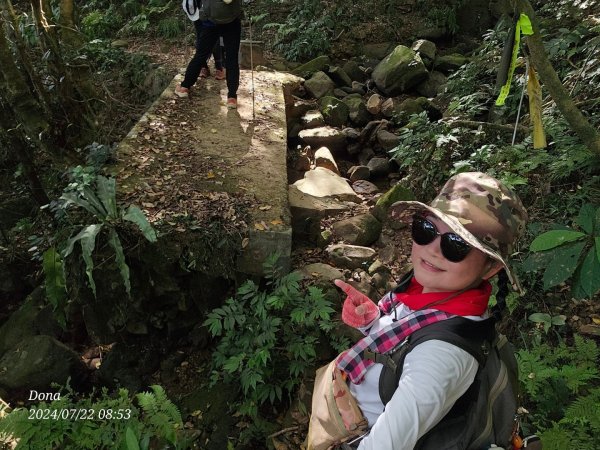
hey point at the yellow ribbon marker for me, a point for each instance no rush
(534, 92)
(523, 27)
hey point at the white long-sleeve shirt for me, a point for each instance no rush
(435, 374)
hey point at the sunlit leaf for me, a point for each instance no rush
(540, 317)
(589, 277)
(115, 243)
(55, 283)
(135, 215)
(563, 264)
(106, 188)
(586, 218)
(554, 238)
(131, 440)
(559, 320)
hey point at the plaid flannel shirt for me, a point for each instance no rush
(352, 361)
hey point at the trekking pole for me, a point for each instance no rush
(251, 58)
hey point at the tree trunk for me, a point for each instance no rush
(15, 92)
(68, 30)
(578, 122)
(72, 82)
(24, 60)
(21, 151)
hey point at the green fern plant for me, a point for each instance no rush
(100, 421)
(560, 388)
(268, 337)
(99, 199)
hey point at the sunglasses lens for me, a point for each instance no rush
(454, 248)
(423, 231)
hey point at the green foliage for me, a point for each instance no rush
(307, 31)
(560, 385)
(567, 253)
(170, 27)
(56, 291)
(97, 196)
(425, 144)
(100, 421)
(269, 337)
(101, 23)
(105, 19)
(547, 320)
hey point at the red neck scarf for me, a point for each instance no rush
(468, 303)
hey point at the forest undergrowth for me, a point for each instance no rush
(555, 326)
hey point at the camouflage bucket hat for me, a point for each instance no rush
(480, 209)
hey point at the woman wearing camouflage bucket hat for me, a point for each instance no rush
(461, 239)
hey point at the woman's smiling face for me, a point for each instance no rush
(436, 274)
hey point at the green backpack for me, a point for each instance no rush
(486, 413)
(220, 12)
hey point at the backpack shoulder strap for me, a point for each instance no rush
(475, 337)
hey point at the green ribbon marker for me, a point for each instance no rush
(523, 27)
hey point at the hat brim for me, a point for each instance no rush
(404, 211)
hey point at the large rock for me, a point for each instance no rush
(340, 77)
(312, 119)
(297, 108)
(320, 271)
(37, 362)
(362, 229)
(433, 85)
(324, 158)
(374, 104)
(329, 137)
(320, 63)
(335, 112)
(395, 194)
(387, 140)
(323, 183)
(377, 51)
(450, 63)
(351, 256)
(425, 48)
(32, 318)
(379, 167)
(319, 85)
(357, 110)
(307, 212)
(399, 71)
(354, 71)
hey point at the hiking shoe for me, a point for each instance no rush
(182, 92)
(232, 103)
(204, 72)
(220, 74)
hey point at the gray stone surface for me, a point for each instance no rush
(36, 362)
(347, 256)
(322, 182)
(329, 137)
(399, 71)
(319, 85)
(362, 229)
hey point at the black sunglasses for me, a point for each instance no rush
(454, 248)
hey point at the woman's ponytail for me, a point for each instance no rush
(501, 294)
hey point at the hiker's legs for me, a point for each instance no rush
(232, 33)
(218, 57)
(205, 41)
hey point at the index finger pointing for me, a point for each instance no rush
(344, 286)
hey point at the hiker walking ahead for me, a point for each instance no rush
(214, 19)
(461, 240)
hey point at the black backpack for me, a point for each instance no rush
(219, 12)
(486, 413)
